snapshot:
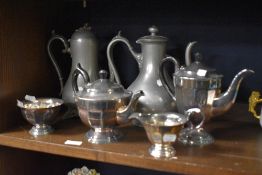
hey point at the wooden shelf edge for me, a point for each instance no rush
(233, 147)
(101, 156)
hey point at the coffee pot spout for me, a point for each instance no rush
(124, 112)
(224, 102)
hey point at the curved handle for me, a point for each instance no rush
(83, 73)
(191, 113)
(253, 101)
(188, 59)
(51, 56)
(163, 75)
(113, 72)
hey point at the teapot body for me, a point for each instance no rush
(190, 93)
(102, 105)
(100, 114)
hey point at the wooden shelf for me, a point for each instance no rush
(237, 149)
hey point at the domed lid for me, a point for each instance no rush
(152, 37)
(195, 66)
(83, 33)
(185, 73)
(190, 79)
(103, 89)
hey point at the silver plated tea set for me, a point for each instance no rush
(169, 107)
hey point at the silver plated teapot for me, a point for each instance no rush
(217, 102)
(83, 50)
(103, 105)
(156, 98)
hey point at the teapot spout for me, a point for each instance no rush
(124, 113)
(225, 101)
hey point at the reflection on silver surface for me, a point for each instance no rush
(192, 89)
(218, 103)
(162, 130)
(42, 114)
(191, 92)
(103, 105)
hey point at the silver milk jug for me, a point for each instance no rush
(83, 50)
(156, 98)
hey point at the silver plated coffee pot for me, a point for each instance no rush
(83, 50)
(156, 98)
(198, 87)
(103, 105)
(217, 102)
(190, 92)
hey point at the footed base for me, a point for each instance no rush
(39, 130)
(103, 136)
(162, 151)
(197, 137)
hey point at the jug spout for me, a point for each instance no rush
(141, 117)
(137, 116)
(224, 102)
(125, 112)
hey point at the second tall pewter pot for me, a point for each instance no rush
(156, 98)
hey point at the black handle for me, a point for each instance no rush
(79, 71)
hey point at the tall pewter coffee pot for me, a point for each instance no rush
(156, 98)
(83, 50)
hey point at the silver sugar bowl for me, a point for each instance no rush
(42, 113)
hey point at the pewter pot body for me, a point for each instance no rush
(103, 105)
(83, 50)
(156, 98)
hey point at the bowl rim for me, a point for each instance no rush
(60, 101)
